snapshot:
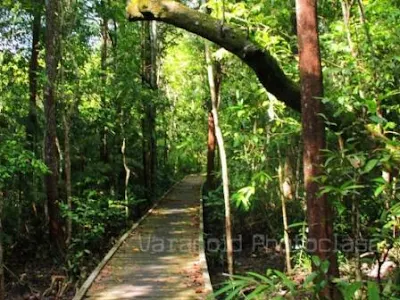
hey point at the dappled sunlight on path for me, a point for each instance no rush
(160, 259)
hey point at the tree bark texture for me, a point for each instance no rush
(285, 194)
(319, 212)
(31, 128)
(214, 93)
(149, 75)
(51, 156)
(152, 108)
(211, 145)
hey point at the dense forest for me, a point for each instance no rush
(290, 111)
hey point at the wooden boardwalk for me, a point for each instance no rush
(160, 258)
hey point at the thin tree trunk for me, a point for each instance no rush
(211, 143)
(363, 20)
(127, 176)
(51, 159)
(284, 196)
(222, 154)
(319, 212)
(67, 166)
(346, 19)
(356, 234)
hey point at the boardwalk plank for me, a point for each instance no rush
(161, 259)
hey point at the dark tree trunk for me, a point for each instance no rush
(319, 212)
(32, 125)
(146, 62)
(152, 110)
(51, 155)
(149, 75)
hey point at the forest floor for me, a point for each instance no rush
(34, 279)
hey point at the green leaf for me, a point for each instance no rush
(316, 260)
(370, 165)
(373, 291)
(325, 266)
(310, 278)
(348, 290)
(379, 190)
(285, 280)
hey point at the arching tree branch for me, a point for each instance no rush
(232, 39)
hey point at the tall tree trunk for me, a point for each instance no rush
(51, 156)
(31, 128)
(146, 62)
(149, 75)
(214, 91)
(319, 212)
(104, 155)
(152, 109)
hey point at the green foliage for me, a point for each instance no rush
(275, 285)
(104, 103)
(95, 220)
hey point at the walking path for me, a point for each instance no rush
(162, 257)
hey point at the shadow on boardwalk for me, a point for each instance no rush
(160, 259)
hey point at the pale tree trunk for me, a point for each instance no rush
(346, 8)
(127, 176)
(319, 211)
(285, 194)
(222, 154)
(50, 148)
